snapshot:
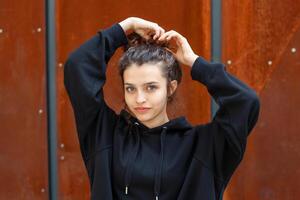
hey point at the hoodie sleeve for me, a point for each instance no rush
(221, 144)
(84, 78)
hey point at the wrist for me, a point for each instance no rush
(127, 25)
(191, 59)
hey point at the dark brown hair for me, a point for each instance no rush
(139, 51)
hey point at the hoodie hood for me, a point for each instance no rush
(136, 127)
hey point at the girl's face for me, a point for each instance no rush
(146, 93)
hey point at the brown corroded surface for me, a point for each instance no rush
(255, 33)
(78, 21)
(23, 130)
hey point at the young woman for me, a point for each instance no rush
(140, 153)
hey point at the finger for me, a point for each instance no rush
(161, 32)
(168, 49)
(169, 35)
(158, 31)
(164, 35)
(179, 39)
(173, 36)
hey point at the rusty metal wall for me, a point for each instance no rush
(261, 45)
(23, 130)
(80, 20)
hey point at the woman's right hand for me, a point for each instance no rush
(146, 29)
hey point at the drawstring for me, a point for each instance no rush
(133, 156)
(158, 173)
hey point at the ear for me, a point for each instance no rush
(173, 87)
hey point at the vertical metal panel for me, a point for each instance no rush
(78, 21)
(257, 39)
(23, 133)
(276, 158)
(51, 96)
(216, 27)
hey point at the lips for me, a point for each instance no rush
(141, 109)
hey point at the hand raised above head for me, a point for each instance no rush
(144, 28)
(179, 47)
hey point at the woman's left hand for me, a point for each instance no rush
(179, 47)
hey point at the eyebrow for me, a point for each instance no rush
(152, 82)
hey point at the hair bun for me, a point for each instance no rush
(135, 39)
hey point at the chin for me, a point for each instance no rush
(143, 116)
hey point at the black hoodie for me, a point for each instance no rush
(127, 160)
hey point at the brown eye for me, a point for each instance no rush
(129, 89)
(151, 87)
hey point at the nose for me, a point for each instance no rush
(141, 98)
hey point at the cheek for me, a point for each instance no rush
(127, 98)
(160, 97)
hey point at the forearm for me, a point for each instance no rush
(239, 104)
(85, 68)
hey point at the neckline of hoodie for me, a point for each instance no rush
(154, 130)
(157, 129)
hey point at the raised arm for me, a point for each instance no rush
(221, 143)
(85, 76)
(225, 138)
